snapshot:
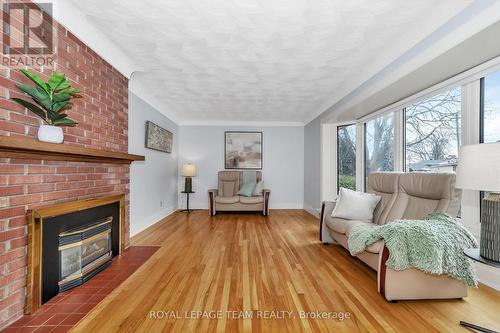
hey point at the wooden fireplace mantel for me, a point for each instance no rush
(29, 148)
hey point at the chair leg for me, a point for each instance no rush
(266, 204)
(211, 204)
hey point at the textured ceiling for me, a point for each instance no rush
(267, 60)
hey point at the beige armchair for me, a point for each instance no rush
(404, 196)
(225, 197)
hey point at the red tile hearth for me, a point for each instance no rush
(62, 312)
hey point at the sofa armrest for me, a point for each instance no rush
(212, 193)
(266, 193)
(326, 210)
(329, 207)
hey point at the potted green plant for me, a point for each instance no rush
(50, 99)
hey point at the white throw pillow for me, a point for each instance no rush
(352, 205)
(259, 187)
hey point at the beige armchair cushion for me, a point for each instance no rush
(229, 183)
(349, 227)
(251, 200)
(227, 200)
(343, 226)
(423, 193)
(376, 247)
(229, 188)
(386, 186)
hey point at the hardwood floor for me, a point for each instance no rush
(242, 262)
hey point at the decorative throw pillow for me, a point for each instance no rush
(259, 188)
(352, 205)
(247, 189)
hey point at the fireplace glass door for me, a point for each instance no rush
(84, 252)
(71, 261)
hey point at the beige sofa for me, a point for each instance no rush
(404, 196)
(224, 198)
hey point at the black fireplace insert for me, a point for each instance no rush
(76, 246)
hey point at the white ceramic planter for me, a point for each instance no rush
(52, 134)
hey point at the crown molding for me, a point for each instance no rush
(242, 123)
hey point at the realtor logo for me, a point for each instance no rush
(28, 34)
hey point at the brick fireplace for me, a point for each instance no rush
(26, 184)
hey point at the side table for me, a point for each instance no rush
(187, 201)
(474, 255)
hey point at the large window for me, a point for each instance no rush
(379, 144)
(490, 108)
(432, 133)
(346, 157)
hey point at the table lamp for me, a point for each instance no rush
(479, 169)
(188, 170)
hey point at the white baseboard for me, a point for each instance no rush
(194, 205)
(489, 276)
(286, 206)
(313, 211)
(152, 219)
(204, 205)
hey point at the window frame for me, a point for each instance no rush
(481, 134)
(329, 159)
(481, 110)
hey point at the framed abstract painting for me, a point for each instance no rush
(243, 150)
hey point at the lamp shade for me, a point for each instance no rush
(188, 170)
(479, 167)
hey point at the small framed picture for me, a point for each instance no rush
(158, 138)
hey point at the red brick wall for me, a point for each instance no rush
(103, 122)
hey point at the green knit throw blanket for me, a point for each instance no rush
(434, 245)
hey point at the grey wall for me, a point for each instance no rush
(312, 166)
(283, 162)
(153, 183)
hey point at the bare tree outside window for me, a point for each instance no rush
(433, 132)
(379, 144)
(346, 157)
